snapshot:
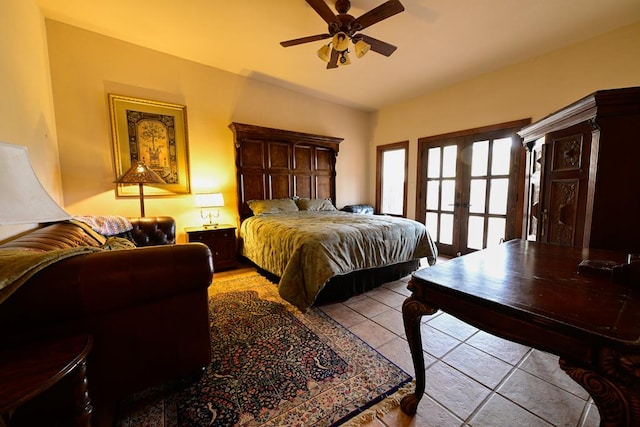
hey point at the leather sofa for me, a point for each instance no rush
(146, 307)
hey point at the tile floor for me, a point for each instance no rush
(473, 378)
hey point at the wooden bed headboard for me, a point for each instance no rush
(275, 163)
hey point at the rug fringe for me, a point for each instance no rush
(384, 407)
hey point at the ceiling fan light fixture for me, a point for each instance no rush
(344, 58)
(344, 28)
(340, 42)
(362, 48)
(324, 52)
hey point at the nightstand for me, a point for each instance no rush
(221, 240)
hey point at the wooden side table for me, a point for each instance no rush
(221, 240)
(28, 371)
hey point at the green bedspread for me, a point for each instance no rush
(18, 265)
(307, 248)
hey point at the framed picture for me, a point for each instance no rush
(155, 133)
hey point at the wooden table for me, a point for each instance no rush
(531, 293)
(28, 371)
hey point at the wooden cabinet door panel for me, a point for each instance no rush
(564, 189)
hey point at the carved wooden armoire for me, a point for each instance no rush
(583, 173)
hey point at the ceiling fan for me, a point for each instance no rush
(344, 27)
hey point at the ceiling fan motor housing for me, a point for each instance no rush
(344, 25)
(343, 6)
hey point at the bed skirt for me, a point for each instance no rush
(341, 288)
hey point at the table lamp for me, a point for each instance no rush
(209, 204)
(24, 199)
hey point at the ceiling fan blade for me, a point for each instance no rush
(379, 46)
(333, 61)
(323, 10)
(305, 40)
(377, 14)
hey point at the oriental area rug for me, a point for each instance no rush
(273, 366)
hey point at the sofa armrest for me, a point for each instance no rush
(97, 283)
(152, 231)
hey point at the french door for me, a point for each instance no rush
(468, 187)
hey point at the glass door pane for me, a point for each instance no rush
(480, 157)
(393, 179)
(488, 193)
(475, 236)
(468, 187)
(440, 198)
(501, 154)
(498, 196)
(477, 195)
(495, 231)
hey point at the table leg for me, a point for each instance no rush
(412, 311)
(82, 417)
(614, 385)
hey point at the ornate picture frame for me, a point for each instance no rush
(156, 133)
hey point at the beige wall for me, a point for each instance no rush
(85, 67)
(532, 89)
(26, 103)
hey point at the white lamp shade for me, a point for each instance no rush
(209, 200)
(23, 198)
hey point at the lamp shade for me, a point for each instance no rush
(362, 48)
(340, 42)
(324, 53)
(140, 173)
(23, 198)
(209, 200)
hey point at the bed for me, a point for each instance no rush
(291, 230)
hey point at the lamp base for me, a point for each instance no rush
(209, 215)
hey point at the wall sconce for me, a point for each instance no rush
(209, 204)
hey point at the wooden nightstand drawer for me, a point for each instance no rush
(220, 240)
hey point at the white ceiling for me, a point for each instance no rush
(439, 42)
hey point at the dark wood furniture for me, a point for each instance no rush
(531, 293)
(275, 163)
(582, 173)
(221, 240)
(26, 372)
